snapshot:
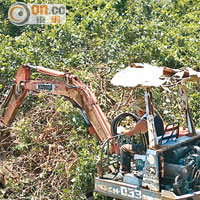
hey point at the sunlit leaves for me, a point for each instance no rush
(99, 38)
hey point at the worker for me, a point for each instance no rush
(128, 150)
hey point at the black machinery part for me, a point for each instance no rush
(118, 119)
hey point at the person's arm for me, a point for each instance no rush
(141, 126)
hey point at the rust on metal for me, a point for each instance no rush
(133, 65)
(168, 71)
(146, 75)
(71, 86)
(189, 120)
(162, 166)
(44, 70)
(150, 121)
(15, 99)
(100, 170)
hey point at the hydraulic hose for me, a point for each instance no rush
(118, 119)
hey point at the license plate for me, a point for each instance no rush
(46, 87)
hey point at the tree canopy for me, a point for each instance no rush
(99, 38)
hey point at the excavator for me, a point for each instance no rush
(170, 168)
(70, 86)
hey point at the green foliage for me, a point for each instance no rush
(169, 105)
(194, 103)
(99, 38)
(85, 170)
(25, 134)
(196, 108)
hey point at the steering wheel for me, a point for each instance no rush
(123, 119)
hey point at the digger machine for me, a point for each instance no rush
(170, 168)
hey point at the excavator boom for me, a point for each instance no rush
(70, 86)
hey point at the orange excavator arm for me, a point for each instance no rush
(69, 85)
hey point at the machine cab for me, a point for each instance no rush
(170, 168)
